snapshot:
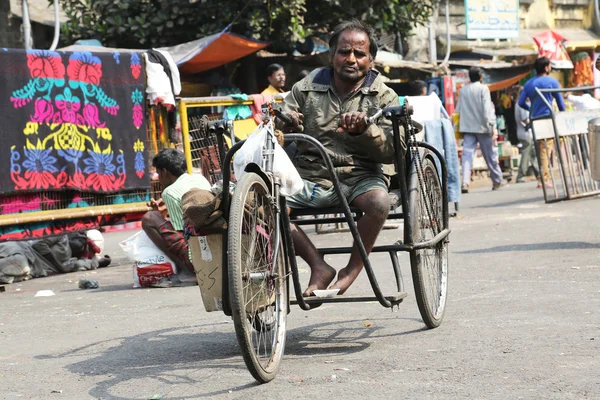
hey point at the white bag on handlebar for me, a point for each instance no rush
(252, 152)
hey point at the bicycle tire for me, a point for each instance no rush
(429, 267)
(252, 220)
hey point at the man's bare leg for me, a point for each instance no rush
(151, 221)
(375, 206)
(321, 273)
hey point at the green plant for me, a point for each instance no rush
(155, 23)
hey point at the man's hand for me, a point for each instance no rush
(156, 205)
(494, 136)
(297, 119)
(353, 123)
(159, 205)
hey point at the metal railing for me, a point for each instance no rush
(562, 139)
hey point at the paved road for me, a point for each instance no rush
(523, 321)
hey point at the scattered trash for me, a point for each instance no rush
(156, 397)
(575, 267)
(332, 378)
(88, 284)
(44, 293)
(329, 362)
(341, 369)
(2, 289)
(55, 391)
(18, 290)
(367, 324)
(298, 379)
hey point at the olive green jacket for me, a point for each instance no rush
(353, 157)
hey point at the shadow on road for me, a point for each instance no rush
(512, 203)
(534, 247)
(184, 356)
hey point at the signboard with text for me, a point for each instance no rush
(492, 19)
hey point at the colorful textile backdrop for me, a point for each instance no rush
(72, 121)
(73, 129)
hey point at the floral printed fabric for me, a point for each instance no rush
(72, 121)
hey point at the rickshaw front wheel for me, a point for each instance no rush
(429, 266)
(257, 282)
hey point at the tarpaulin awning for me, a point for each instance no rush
(212, 51)
(496, 75)
(503, 84)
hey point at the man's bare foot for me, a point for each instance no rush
(321, 276)
(346, 277)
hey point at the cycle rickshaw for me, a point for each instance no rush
(259, 262)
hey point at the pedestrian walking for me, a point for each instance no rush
(478, 125)
(540, 109)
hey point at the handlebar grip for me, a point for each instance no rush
(284, 118)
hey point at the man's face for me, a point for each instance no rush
(277, 79)
(163, 177)
(352, 60)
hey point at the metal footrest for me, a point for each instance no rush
(396, 298)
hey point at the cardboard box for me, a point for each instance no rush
(207, 256)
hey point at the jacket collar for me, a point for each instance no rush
(323, 80)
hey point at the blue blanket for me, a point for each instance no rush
(440, 134)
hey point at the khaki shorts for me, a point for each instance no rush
(315, 196)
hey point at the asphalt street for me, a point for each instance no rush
(522, 321)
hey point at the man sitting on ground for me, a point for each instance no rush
(332, 104)
(167, 233)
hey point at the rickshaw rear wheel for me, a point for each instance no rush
(257, 282)
(429, 266)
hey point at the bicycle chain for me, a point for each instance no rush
(412, 143)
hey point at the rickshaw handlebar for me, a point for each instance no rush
(388, 112)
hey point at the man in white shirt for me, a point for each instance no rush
(478, 125)
(584, 102)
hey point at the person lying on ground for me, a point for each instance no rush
(331, 104)
(166, 232)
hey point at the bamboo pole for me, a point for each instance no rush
(71, 213)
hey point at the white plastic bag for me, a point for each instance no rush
(252, 152)
(283, 167)
(150, 264)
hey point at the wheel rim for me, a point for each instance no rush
(434, 261)
(260, 277)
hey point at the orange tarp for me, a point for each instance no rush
(494, 87)
(212, 51)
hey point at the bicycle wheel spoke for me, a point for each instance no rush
(429, 264)
(257, 284)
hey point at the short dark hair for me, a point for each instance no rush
(541, 64)
(356, 26)
(418, 87)
(475, 74)
(171, 160)
(272, 68)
